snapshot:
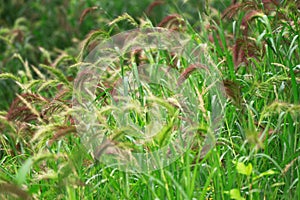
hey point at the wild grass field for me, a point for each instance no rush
(251, 48)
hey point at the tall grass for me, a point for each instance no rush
(255, 44)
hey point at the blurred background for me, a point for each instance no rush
(39, 30)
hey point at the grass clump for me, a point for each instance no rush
(255, 46)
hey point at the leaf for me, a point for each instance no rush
(162, 138)
(266, 173)
(23, 171)
(235, 194)
(243, 169)
(20, 177)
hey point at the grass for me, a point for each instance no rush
(254, 45)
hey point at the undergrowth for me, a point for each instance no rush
(255, 46)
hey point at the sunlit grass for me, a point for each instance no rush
(254, 45)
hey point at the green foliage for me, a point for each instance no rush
(255, 45)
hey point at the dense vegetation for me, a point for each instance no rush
(255, 44)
